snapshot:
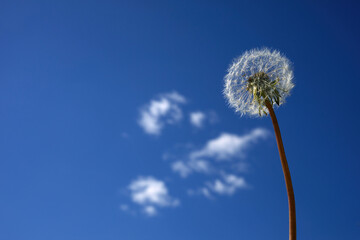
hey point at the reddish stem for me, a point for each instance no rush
(286, 171)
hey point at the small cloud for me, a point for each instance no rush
(228, 185)
(199, 165)
(228, 146)
(225, 147)
(197, 119)
(194, 165)
(206, 193)
(175, 97)
(161, 111)
(151, 193)
(182, 168)
(150, 210)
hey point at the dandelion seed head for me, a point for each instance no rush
(257, 76)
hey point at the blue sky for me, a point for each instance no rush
(113, 124)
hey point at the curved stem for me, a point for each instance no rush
(286, 171)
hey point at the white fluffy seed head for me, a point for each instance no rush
(271, 62)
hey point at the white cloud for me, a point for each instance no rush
(150, 210)
(151, 193)
(160, 111)
(197, 119)
(199, 165)
(227, 146)
(175, 97)
(194, 165)
(224, 147)
(206, 192)
(182, 168)
(228, 185)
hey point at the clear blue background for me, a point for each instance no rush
(73, 75)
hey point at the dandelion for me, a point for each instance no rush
(254, 78)
(256, 82)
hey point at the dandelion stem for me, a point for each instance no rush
(286, 171)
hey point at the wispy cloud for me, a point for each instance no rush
(151, 193)
(150, 210)
(228, 146)
(161, 111)
(227, 185)
(224, 147)
(182, 168)
(185, 168)
(197, 119)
